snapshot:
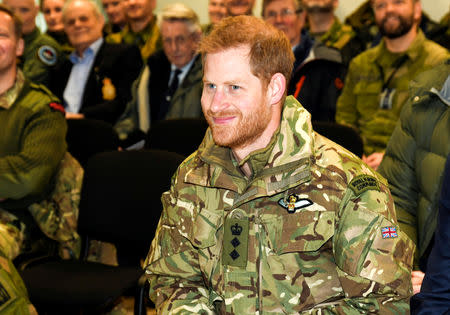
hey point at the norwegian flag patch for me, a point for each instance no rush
(389, 232)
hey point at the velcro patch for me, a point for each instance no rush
(47, 55)
(362, 183)
(58, 107)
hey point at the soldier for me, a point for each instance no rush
(32, 157)
(116, 15)
(376, 85)
(52, 12)
(325, 26)
(217, 10)
(240, 7)
(141, 29)
(41, 52)
(268, 216)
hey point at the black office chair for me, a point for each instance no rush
(86, 137)
(120, 203)
(343, 135)
(182, 135)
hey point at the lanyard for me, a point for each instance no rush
(387, 95)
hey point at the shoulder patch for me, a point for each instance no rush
(47, 55)
(57, 107)
(362, 183)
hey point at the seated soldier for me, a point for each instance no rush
(171, 83)
(33, 161)
(52, 12)
(95, 81)
(41, 52)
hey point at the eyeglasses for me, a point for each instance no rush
(285, 13)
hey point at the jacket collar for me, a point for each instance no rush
(414, 51)
(288, 163)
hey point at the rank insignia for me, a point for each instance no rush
(293, 203)
(235, 242)
(47, 55)
(389, 232)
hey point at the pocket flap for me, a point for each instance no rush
(204, 230)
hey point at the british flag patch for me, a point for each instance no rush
(389, 232)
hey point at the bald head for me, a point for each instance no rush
(27, 11)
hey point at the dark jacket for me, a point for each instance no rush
(120, 63)
(317, 82)
(434, 296)
(416, 153)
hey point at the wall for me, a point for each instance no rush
(434, 8)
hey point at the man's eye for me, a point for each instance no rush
(210, 86)
(235, 87)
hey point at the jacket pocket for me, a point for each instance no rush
(304, 231)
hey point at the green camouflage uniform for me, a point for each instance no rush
(39, 183)
(342, 37)
(302, 235)
(41, 53)
(359, 103)
(148, 40)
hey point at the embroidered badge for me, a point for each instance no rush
(47, 55)
(235, 242)
(293, 203)
(108, 90)
(361, 183)
(58, 107)
(389, 232)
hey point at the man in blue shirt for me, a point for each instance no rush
(95, 81)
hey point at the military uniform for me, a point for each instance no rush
(375, 71)
(62, 39)
(41, 53)
(342, 37)
(32, 157)
(313, 230)
(148, 40)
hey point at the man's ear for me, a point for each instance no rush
(276, 88)
(417, 11)
(20, 46)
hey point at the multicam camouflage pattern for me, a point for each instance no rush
(148, 40)
(358, 105)
(57, 216)
(326, 257)
(13, 293)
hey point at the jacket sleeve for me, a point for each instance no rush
(172, 266)
(29, 171)
(346, 112)
(374, 257)
(398, 167)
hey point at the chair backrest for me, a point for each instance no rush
(121, 194)
(182, 135)
(86, 137)
(343, 135)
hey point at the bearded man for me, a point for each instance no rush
(376, 85)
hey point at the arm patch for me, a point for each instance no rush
(362, 183)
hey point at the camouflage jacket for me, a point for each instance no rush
(369, 74)
(303, 235)
(148, 40)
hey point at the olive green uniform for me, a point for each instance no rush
(32, 147)
(367, 78)
(303, 234)
(148, 40)
(41, 53)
